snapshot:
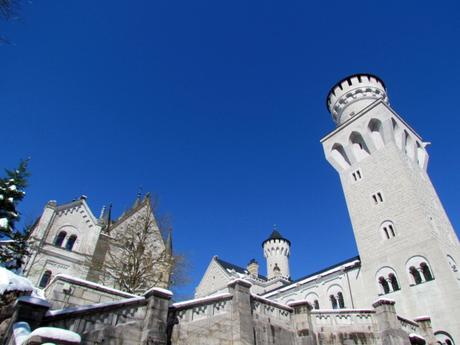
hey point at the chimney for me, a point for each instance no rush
(253, 268)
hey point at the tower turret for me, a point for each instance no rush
(277, 250)
(354, 93)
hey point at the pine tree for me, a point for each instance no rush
(13, 243)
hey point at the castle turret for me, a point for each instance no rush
(277, 250)
(406, 242)
(354, 93)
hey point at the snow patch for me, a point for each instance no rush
(12, 282)
(3, 223)
(161, 290)
(202, 300)
(57, 334)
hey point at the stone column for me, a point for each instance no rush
(302, 323)
(243, 330)
(426, 331)
(154, 330)
(389, 327)
(27, 309)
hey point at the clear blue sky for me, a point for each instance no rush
(218, 108)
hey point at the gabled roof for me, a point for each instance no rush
(346, 264)
(231, 267)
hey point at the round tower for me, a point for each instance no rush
(354, 93)
(276, 251)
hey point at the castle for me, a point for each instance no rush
(69, 240)
(403, 288)
(408, 250)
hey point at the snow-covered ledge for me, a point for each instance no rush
(24, 336)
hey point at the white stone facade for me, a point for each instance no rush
(68, 239)
(408, 249)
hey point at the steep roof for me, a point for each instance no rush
(229, 266)
(276, 235)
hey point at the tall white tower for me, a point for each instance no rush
(408, 248)
(277, 250)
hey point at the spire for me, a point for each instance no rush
(168, 243)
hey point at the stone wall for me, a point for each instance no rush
(65, 291)
(241, 318)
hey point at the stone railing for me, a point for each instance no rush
(408, 326)
(265, 307)
(202, 308)
(359, 318)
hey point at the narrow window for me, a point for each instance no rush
(341, 302)
(380, 196)
(356, 175)
(393, 282)
(386, 232)
(415, 275)
(70, 242)
(384, 284)
(392, 230)
(375, 199)
(45, 279)
(333, 301)
(60, 238)
(426, 272)
(316, 304)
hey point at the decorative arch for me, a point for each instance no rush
(359, 147)
(397, 133)
(339, 155)
(71, 242)
(387, 281)
(45, 279)
(313, 299)
(387, 230)
(419, 270)
(409, 145)
(376, 132)
(422, 156)
(453, 266)
(60, 238)
(336, 298)
(444, 338)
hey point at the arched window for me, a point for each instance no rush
(339, 156)
(388, 230)
(384, 285)
(426, 272)
(60, 238)
(360, 150)
(415, 275)
(375, 127)
(70, 242)
(341, 301)
(45, 279)
(316, 304)
(393, 282)
(333, 302)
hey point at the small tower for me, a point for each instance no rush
(277, 250)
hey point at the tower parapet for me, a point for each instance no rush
(354, 93)
(277, 250)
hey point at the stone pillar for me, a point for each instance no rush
(243, 330)
(302, 323)
(426, 331)
(27, 309)
(389, 327)
(154, 330)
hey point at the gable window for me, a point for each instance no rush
(415, 275)
(426, 272)
(333, 302)
(357, 175)
(70, 242)
(341, 301)
(377, 198)
(316, 304)
(393, 282)
(45, 279)
(60, 238)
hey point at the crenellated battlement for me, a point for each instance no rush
(354, 93)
